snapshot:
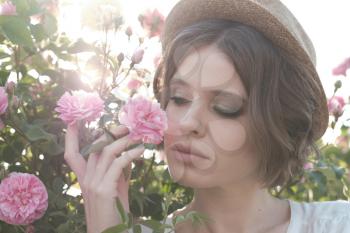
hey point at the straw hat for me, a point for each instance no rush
(271, 18)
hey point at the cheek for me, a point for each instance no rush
(228, 135)
(173, 117)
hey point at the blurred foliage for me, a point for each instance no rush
(36, 55)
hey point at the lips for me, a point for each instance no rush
(188, 150)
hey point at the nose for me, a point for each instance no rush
(192, 120)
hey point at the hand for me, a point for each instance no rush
(101, 178)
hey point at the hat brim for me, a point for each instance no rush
(271, 18)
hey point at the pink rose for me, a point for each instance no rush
(7, 8)
(153, 22)
(308, 166)
(137, 56)
(342, 68)
(23, 199)
(81, 106)
(128, 31)
(10, 87)
(134, 84)
(336, 106)
(144, 119)
(156, 60)
(3, 100)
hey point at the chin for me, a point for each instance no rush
(190, 178)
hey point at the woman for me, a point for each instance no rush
(245, 106)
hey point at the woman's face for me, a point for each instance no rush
(207, 118)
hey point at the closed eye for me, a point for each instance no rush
(222, 112)
(228, 113)
(179, 100)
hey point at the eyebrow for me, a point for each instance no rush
(177, 81)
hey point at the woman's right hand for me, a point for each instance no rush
(101, 178)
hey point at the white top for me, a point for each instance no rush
(313, 217)
(320, 217)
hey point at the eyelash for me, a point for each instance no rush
(180, 101)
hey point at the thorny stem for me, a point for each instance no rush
(20, 228)
(130, 68)
(148, 171)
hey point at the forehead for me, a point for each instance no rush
(208, 68)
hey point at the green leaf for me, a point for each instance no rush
(38, 32)
(51, 147)
(116, 229)
(22, 6)
(150, 146)
(50, 24)
(53, 74)
(3, 77)
(338, 171)
(22, 69)
(63, 228)
(57, 185)
(122, 212)
(4, 55)
(136, 229)
(179, 219)
(155, 225)
(9, 154)
(16, 30)
(197, 218)
(35, 133)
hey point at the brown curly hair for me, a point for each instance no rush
(281, 100)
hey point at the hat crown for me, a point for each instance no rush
(283, 14)
(264, 15)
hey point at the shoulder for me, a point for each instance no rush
(328, 216)
(324, 209)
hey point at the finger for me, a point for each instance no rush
(119, 131)
(115, 170)
(123, 185)
(108, 155)
(72, 156)
(90, 169)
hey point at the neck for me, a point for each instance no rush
(244, 209)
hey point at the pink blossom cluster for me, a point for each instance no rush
(79, 106)
(145, 120)
(7, 8)
(336, 106)
(137, 56)
(342, 68)
(23, 199)
(152, 21)
(134, 84)
(308, 166)
(3, 104)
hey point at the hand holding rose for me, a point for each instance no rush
(101, 177)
